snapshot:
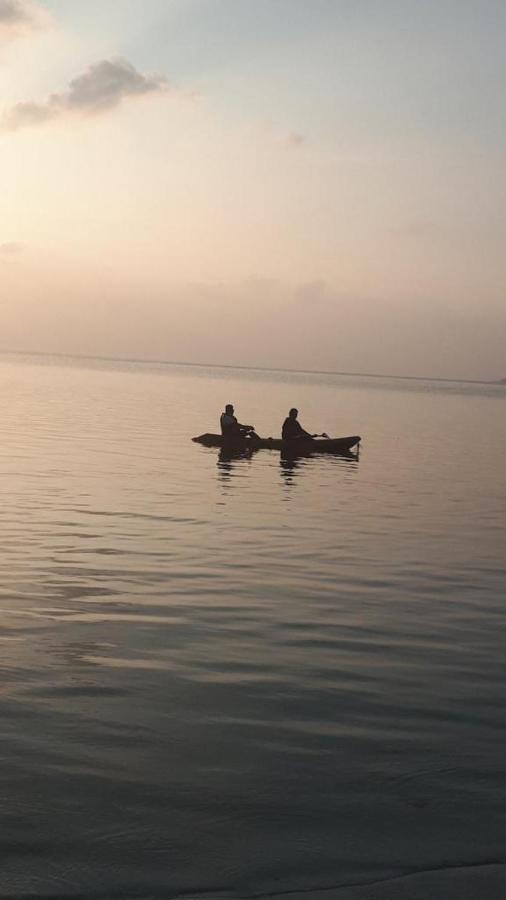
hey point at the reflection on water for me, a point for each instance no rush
(293, 466)
(290, 467)
(226, 459)
(206, 688)
(230, 463)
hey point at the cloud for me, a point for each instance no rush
(17, 16)
(11, 248)
(311, 292)
(101, 87)
(295, 139)
(418, 228)
(274, 134)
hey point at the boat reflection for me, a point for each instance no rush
(291, 467)
(227, 463)
(230, 464)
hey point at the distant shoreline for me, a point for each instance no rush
(208, 365)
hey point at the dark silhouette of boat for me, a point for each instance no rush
(298, 447)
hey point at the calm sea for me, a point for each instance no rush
(247, 676)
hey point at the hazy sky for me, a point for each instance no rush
(303, 183)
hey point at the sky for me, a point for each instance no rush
(313, 185)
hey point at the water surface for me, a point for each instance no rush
(247, 675)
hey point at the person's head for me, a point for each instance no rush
(293, 413)
(229, 409)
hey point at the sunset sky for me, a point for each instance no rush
(316, 184)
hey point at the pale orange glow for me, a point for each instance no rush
(193, 232)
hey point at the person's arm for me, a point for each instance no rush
(301, 432)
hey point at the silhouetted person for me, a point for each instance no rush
(232, 429)
(292, 429)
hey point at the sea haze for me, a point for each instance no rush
(247, 675)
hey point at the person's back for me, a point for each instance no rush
(231, 429)
(292, 429)
(228, 422)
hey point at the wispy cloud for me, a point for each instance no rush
(311, 292)
(276, 135)
(17, 16)
(295, 139)
(101, 87)
(11, 248)
(418, 229)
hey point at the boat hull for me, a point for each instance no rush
(296, 447)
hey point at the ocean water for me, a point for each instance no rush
(247, 676)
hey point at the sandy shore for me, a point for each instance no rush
(486, 882)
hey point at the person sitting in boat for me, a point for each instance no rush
(231, 428)
(292, 429)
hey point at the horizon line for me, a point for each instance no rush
(250, 368)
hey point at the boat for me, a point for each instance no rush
(298, 447)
